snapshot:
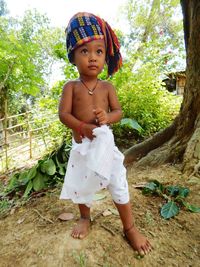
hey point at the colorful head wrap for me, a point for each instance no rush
(85, 27)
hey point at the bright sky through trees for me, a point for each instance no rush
(61, 11)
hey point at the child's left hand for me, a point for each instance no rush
(101, 115)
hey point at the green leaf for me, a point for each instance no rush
(48, 166)
(191, 208)
(64, 156)
(169, 210)
(131, 123)
(13, 182)
(61, 166)
(172, 190)
(149, 188)
(38, 182)
(184, 192)
(177, 191)
(32, 172)
(42, 166)
(28, 189)
(61, 171)
(23, 178)
(45, 178)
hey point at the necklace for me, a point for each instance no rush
(90, 91)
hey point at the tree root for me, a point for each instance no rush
(138, 151)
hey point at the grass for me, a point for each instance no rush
(5, 206)
(80, 258)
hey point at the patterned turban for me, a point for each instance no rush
(85, 27)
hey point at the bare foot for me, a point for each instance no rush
(137, 241)
(81, 230)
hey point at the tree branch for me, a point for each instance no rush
(10, 67)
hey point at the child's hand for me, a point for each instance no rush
(101, 115)
(87, 130)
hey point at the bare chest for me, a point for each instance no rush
(83, 98)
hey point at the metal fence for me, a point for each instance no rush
(25, 137)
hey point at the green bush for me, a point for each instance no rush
(143, 99)
(48, 172)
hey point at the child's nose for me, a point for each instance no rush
(92, 57)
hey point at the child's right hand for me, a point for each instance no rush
(87, 130)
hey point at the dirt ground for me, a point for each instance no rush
(33, 235)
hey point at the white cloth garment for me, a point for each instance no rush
(94, 165)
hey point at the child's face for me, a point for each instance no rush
(89, 58)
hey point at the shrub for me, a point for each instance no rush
(143, 99)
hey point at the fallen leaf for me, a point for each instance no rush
(66, 216)
(20, 220)
(12, 211)
(114, 211)
(98, 197)
(106, 213)
(139, 185)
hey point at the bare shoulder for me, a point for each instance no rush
(108, 85)
(69, 85)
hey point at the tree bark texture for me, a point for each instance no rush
(180, 142)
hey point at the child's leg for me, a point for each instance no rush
(81, 230)
(135, 238)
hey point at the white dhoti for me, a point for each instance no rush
(94, 165)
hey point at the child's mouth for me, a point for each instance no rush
(92, 67)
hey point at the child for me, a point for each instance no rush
(88, 106)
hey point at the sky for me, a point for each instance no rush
(60, 11)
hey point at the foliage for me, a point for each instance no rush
(130, 123)
(174, 195)
(49, 103)
(46, 173)
(143, 99)
(153, 46)
(5, 206)
(154, 40)
(43, 120)
(50, 100)
(127, 132)
(26, 55)
(155, 33)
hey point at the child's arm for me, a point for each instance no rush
(66, 117)
(65, 107)
(115, 113)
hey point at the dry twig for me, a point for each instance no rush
(44, 218)
(108, 229)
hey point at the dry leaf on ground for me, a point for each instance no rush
(66, 216)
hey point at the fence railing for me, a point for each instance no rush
(25, 137)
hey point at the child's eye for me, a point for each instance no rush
(99, 51)
(84, 51)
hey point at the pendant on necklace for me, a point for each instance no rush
(90, 91)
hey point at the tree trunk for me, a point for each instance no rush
(181, 141)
